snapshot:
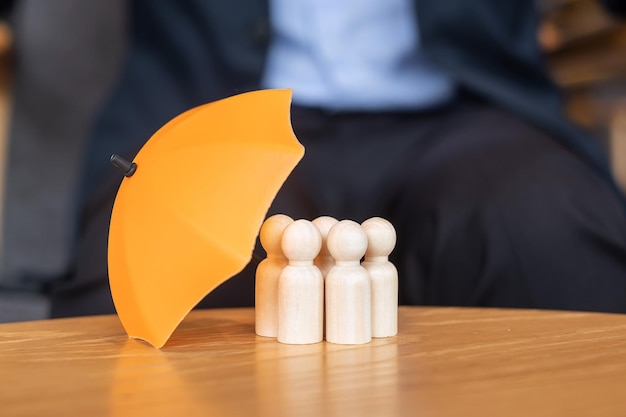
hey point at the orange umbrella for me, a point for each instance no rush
(187, 215)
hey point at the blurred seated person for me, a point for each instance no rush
(438, 116)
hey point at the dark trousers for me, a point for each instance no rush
(489, 211)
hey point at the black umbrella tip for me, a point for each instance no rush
(127, 167)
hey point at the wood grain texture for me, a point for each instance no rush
(444, 362)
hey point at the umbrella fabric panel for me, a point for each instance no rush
(188, 218)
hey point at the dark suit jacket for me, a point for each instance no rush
(187, 52)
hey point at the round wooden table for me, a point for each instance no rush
(444, 362)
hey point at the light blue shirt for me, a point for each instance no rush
(352, 55)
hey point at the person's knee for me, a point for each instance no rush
(512, 223)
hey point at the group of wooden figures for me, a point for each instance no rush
(313, 284)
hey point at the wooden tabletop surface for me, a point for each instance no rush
(444, 362)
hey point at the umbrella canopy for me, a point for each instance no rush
(187, 218)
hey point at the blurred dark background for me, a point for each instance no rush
(586, 51)
(58, 59)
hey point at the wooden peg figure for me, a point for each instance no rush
(267, 273)
(348, 298)
(324, 261)
(301, 286)
(381, 237)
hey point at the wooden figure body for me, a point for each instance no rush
(324, 261)
(301, 286)
(381, 237)
(267, 273)
(348, 298)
